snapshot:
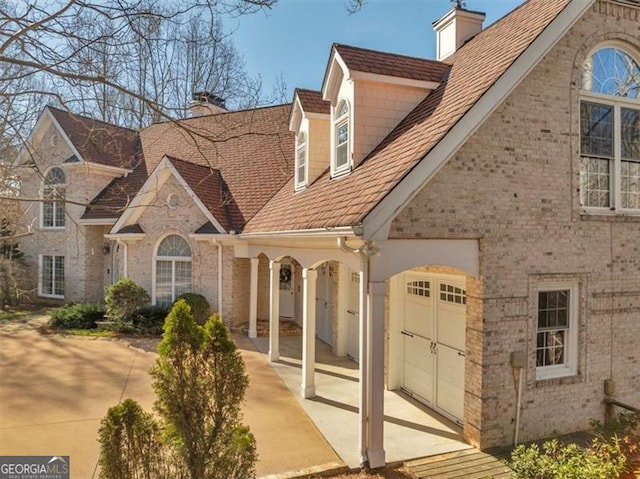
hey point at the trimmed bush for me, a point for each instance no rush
(77, 316)
(147, 320)
(123, 298)
(200, 309)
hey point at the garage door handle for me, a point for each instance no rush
(351, 312)
(407, 334)
(460, 353)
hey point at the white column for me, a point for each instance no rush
(363, 404)
(308, 387)
(343, 301)
(375, 369)
(274, 311)
(253, 299)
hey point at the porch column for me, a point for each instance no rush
(308, 387)
(375, 369)
(363, 351)
(253, 299)
(274, 311)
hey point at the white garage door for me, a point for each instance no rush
(433, 334)
(324, 305)
(353, 317)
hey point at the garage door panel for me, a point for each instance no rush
(418, 318)
(450, 381)
(418, 367)
(451, 326)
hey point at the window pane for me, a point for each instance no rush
(596, 130)
(595, 182)
(47, 213)
(182, 278)
(302, 165)
(343, 109)
(174, 245)
(630, 179)
(553, 324)
(47, 275)
(611, 71)
(58, 219)
(343, 133)
(341, 155)
(630, 133)
(163, 282)
(59, 275)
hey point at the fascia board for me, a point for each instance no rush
(378, 221)
(392, 80)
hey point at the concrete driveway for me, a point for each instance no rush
(54, 391)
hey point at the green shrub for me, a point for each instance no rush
(598, 460)
(200, 309)
(147, 320)
(124, 297)
(77, 316)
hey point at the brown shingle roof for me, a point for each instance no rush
(475, 68)
(99, 142)
(207, 183)
(370, 61)
(312, 101)
(251, 149)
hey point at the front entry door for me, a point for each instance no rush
(433, 339)
(286, 290)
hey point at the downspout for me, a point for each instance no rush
(125, 269)
(364, 364)
(219, 247)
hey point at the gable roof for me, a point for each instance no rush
(475, 68)
(244, 148)
(391, 64)
(97, 141)
(312, 101)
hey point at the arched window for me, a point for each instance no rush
(53, 196)
(610, 131)
(173, 269)
(342, 154)
(301, 160)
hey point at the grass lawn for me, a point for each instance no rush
(9, 313)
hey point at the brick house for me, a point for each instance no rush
(462, 227)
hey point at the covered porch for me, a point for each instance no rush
(410, 429)
(359, 406)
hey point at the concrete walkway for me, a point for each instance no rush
(411, 430)
(54, 391)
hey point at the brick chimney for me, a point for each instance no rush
(206, 103)
(455, 28)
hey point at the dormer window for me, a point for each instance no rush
(301, 160)
(610, 132)
(342, 155)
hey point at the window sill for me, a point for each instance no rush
(609, 215)
(51, 296)
(300, 187)
(340, 173)
(553, 375)
(53, 228)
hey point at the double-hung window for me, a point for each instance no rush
(51, 282)
(342, 139)
(301, 160)
(610, 133)
(172, 270)
(53, 199)
(557, 330)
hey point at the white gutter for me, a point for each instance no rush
(337, 232)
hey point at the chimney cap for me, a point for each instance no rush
(208, 97)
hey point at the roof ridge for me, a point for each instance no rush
(258, 108)
(85, 117)
(412, 57)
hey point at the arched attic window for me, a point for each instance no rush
(172, 269)
(53, 197)
(610, 131)
(301, 160)
(342, 140)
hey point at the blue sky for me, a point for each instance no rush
(294, 38)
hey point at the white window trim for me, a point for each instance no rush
(299, 146)
(55, 205)
(40, 265)
(615, 208)
(570, 367)
(173, 259)
(336, 124)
